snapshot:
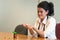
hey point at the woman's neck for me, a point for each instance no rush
(42, 20)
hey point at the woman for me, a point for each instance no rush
(45, 23)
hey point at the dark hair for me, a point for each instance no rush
(47, 6)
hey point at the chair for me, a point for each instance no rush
(58, 30)
(21, 30)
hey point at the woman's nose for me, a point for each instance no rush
(39, 13)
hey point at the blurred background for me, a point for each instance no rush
(15, 12)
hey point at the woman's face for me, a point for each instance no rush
(42, 13)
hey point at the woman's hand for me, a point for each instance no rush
(25, 25)
(28, 26)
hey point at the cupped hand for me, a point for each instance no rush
(28, 26)
(25, 25)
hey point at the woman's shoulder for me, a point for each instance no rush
(52, 19)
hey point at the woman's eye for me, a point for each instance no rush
(41, 11)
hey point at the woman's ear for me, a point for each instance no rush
(47, 12)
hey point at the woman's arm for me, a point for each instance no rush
(32, 29)
(40, 32)
(27, 26)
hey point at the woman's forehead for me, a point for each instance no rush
(40, 9)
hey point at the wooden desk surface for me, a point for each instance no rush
(6, 36)
(25, 37)
(10, 36)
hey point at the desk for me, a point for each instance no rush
(6, 36)
(25, 37)
(10, 36)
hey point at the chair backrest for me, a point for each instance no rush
(58, 30)
(21, 30)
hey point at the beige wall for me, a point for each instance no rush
(15, 12)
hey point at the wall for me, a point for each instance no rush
(15, 12)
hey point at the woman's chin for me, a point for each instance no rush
(41, 17)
